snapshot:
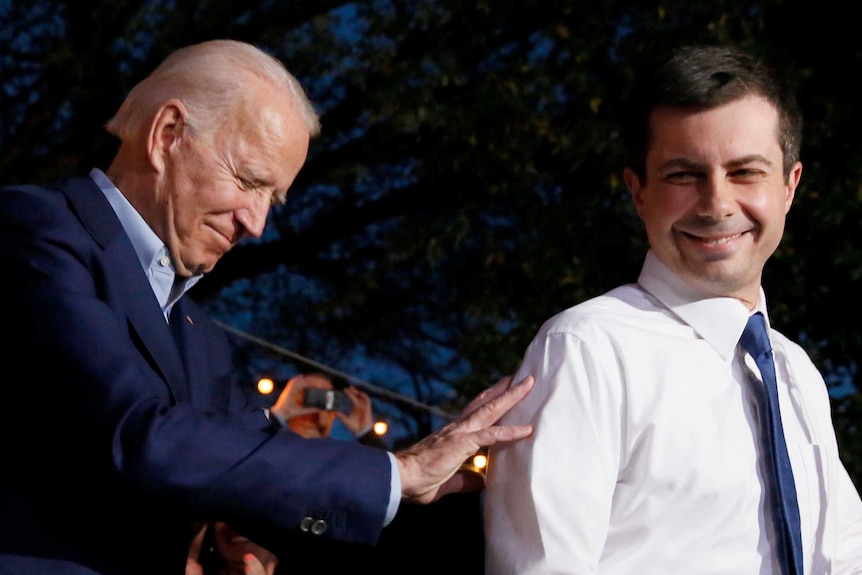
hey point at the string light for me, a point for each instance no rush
(364, 385)
(480, 461)
(265, 385)
(380, 427)
(477, 463)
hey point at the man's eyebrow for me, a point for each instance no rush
(750, 159)
(688, 164)
(681, 163)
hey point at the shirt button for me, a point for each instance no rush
(165, 261)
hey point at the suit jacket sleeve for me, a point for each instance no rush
(125, 413)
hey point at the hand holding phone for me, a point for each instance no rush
(328, 399)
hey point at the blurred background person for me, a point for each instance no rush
(218, 549)
(357, 416)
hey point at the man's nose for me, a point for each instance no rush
(252, 218)
(716, 197)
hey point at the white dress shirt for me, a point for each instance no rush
(645, 456)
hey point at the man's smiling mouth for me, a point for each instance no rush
(717, 241)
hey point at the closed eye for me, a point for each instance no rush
(684, 177)
(259, 186)
(744, 175)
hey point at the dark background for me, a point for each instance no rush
(467, 183)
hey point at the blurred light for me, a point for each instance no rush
(480, 461)
(265, 385)
(380, 427)
(477, 463)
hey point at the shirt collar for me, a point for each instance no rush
(152, 252)
(718, 320)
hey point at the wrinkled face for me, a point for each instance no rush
(216, 193)
(715, 198)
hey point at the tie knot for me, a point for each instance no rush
(754, 338)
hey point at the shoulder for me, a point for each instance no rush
(71, 211)
(620, 308)
(37, 205)
(31, 214)
(26, 201)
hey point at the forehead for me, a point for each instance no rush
(268, 134)
(743, 127)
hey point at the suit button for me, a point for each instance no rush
(306, 523)
(318, 527)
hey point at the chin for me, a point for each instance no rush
(721, 284)
(202, 267)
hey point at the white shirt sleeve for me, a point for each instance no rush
(395, 490)
(548, 498)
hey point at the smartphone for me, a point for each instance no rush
(329, 399)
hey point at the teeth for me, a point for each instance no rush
(720, 241)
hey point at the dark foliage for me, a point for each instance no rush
(466, 185)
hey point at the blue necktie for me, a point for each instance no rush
(781, 489)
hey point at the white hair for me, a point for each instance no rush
(210, 79)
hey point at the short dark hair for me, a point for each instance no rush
(702, 77)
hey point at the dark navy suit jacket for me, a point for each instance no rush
(114, 425)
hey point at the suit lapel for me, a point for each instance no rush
(189, 341)
(129, 281)
(207, 366)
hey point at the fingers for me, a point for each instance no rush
(360, 416)
(357, 397)
(500, 433)
(502, 385)
(252, 565)
(491, 404)
(429, 468)
(290, 402)
(495, 390)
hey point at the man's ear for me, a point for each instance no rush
(793, 179)
(166, 132)
(633, 183)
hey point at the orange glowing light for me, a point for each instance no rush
(265, 385)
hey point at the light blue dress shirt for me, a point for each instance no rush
(168, 287)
